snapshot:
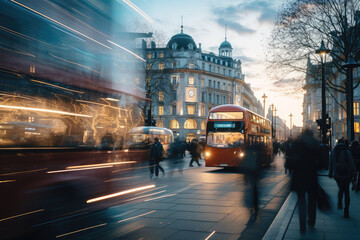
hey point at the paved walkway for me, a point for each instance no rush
(329, 226)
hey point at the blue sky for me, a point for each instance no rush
(249, 24)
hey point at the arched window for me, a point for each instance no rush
(174, 124)
(160, 123)
(190, 124)
(203, 125)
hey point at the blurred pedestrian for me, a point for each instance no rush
(342, 168)
(195, 151)
(355, 152)
(156, 155)
(303, 164)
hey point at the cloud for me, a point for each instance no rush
(232, 14)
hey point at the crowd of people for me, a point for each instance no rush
(304, 156)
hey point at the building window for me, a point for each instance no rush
(190, 124)
(356, 127)
(202, 110)
(161, 110)
(174, 95)
(209, 83)
(149, 55)
(209, 98)
(217, 69)
(229, 87)
(173, 80)
(202, 97)
(203, 66)
(161, 66)
(137, 81)
(209, 67)
(173, 110)
(161, 55)
(191, 66)
(190, 109)
(174, 124)
(31, 119)
(173, 64)
(356, 108)
(191, 81)
(161, 96)
(203, 125)
(218, 85)
(217, 99)
(214, 84)
(229, 73)
(223, 86)
(202, 82)
(224, 99)
(160, 124)
(32, 68)
(224, 71)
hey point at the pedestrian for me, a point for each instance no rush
(303, 164)
(342, 168)
(355, 152)
(156, 155)
(195, 151)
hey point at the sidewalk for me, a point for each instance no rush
(329, 226)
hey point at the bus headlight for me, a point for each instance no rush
(207, 154)
(242, 154)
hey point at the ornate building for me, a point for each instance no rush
(185, 82)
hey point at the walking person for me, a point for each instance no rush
(303, 164)
(342, 168)
(355, 152)
(156, 155)
(195, 152)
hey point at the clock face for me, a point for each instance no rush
(191, 93)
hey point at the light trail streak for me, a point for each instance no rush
(23, 214)
(119, 193)
(21, 35)
(19, 52)
(53, 85)
(14, 173)
(210, 235)
(138, 10)
(101, 104)
(61, 24)
(147, 195)
(136, 216)
(164, 196)
(151, 190)
(7, 181)
(16, 96)
(78, 169)
(45, 110)
(80, 230)
(77, 64)
(127, 50)
(99, 165)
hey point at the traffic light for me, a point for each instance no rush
(328, 122)
(153, 122)
(319, 122)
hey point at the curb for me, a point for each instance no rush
(281, 222)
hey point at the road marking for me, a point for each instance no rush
(23, 214)
(137, 216)
(80, 230)
(210, 235)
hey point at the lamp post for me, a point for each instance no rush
(284, 130)
(264, 97)
(272, 120)
(324, 147)
(290, 124)
(275, 122)
(322, 51)
(349, 66)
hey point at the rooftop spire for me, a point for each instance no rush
(225, 31)
(182, 27)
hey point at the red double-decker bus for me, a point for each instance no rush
(230, 130)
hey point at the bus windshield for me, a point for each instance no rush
(225, 134)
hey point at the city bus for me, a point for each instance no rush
(230, 130)
(143, 137)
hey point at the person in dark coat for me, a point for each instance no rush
(156, 154)
(355, 152)
(303, 164)
(342, 168)
(195, 151)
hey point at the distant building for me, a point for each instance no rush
(185, 82)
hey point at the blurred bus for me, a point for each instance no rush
(230, 130)
(143, 137)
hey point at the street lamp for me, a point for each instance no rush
(322, 51)
(290, 124)
(272, 120)
(349, 66)
(324, 147)
(264, 97)
(275, 122)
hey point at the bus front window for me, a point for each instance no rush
(225, 134)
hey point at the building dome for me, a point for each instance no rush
(181, 40)
(225, 44)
